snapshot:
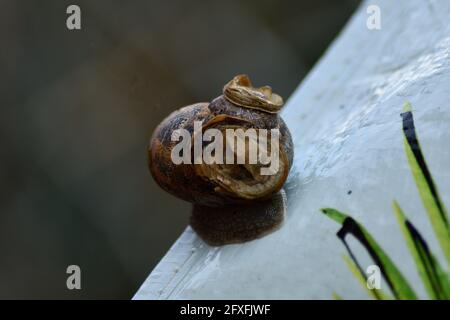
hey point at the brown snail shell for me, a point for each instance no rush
(241, 106)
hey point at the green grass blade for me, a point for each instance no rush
(334, 214)
(337, 296)
(425, 184)
(434, 279)
(397, 282)
(377, 294)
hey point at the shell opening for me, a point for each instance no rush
(244, 180)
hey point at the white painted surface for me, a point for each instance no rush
(346, 126)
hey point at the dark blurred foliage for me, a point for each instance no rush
(78, 107)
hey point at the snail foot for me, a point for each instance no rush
(233, 224)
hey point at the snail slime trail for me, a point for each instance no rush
(229, 157)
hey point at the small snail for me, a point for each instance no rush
(236, 189)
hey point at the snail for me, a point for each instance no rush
(239, 193)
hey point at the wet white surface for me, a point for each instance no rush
(346, 125)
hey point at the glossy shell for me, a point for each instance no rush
(192, 182)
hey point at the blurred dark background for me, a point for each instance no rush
(78, 107)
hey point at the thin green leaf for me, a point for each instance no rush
(377, 294)
(337, 296)
(335, 215)
(397, 282)
(434, 279)
(427, 189)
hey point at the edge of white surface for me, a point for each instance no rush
(405, 77)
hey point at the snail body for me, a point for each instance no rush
(221, 184)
